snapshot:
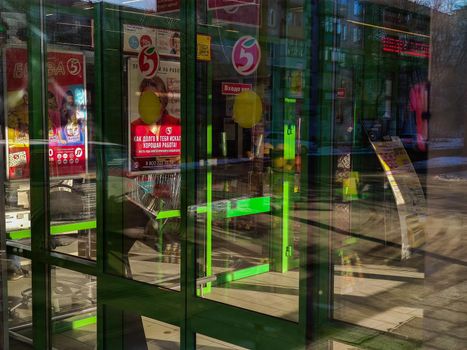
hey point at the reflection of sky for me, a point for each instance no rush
(447, 6)
(137, 4)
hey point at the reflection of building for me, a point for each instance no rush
(447, 74)
(380, 52)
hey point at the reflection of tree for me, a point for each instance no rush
(447, 67)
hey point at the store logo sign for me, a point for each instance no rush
(246, 55)
(73, 66)
(148, 61)
(145, 40)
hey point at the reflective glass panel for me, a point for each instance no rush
(70, 100)
(14, 122)
(398, 158)
(18, 301)
(145, 333)
(252, 82)
(73, 310)
(144, 174)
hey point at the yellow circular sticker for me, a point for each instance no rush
(149, 107)
(247, 109)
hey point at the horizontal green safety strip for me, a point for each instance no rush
(235, 208)
(63, 326)
(202, 210)
(57, 229)
(226, 277)
(168, 214)
(80, 226)
(248, 206)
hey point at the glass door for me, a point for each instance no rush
(142, 117)
(252, 131)
(167, 201)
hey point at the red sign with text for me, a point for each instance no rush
(156, 140)
(234, 88)
(165, 6)
(340, 93)
(406, 47)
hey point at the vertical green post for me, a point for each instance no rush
(4, 327)
(285, 227)
(100, 176)
(277, 179)
(4, 342)
(39, 170)
(112, 130)
(208, 257)
(318, 258)
(188, 112)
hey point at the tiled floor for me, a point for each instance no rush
(376, 302)
(271, 293)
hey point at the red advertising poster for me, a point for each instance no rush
(66, 97)
(154, 138)
(156, 141)
(242, 12)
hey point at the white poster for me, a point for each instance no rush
(407, 190)
(166, 42)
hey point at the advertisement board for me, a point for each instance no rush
(154, 140)
(67, 115)
(167, 42)
(407, 191)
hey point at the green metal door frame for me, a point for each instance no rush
(184, 308)
(202, 316)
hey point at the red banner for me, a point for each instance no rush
(165, 6)
(156, 140)
(234, 88)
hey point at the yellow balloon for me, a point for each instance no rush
(149, 107)
(247, 109)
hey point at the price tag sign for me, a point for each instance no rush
(203, 52)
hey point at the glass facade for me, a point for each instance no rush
(233, 174)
